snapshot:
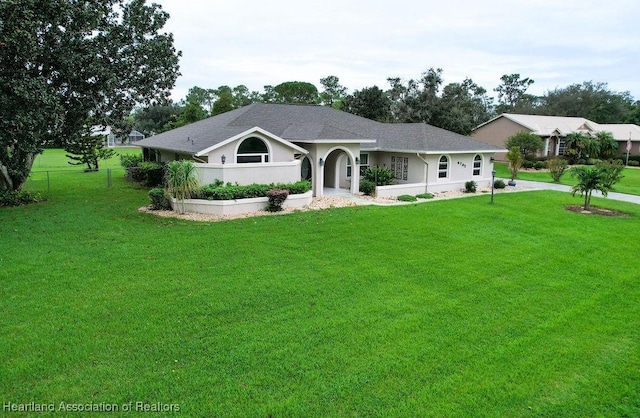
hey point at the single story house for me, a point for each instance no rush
(553, 130)
(272, 143)
(112, 141)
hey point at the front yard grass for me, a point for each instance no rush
(446, 308)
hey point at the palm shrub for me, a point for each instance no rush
(589, 179)
(380, 176)
(181, 181)
(557, 168)
(608, 144)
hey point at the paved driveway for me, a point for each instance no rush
(560, 187)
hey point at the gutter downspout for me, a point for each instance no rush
(426, 173)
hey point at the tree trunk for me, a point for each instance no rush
(10, 181)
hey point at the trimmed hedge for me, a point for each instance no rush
(233, 192)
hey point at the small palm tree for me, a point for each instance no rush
(576, 141)
(608, 145)
(181, 181)
(589, 179)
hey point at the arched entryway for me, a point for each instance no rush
(340, 173)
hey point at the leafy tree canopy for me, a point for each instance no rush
(70, 64)
(528, 143)
(370, 102)
(298, 92)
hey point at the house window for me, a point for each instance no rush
(562, 147)
(477, 165)
(400, 167)
(252, 150)
(443, 167)
(364, 164)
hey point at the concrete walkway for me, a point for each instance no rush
(534, 185)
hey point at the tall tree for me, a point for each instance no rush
(370, 102)
(224, 103)
(462, 107)
(204, 97)
(593, 101)
(333, 93)
(298, 92)
(88, 149)
(66, 65)
(151, 119)
(512, 93)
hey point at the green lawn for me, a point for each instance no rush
(630, 184)
(446, 308)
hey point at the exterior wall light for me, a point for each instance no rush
(321, 162)
(223, 158)
(357, 160)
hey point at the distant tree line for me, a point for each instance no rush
(458, 107)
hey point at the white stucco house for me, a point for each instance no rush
(272, 143)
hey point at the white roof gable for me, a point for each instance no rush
(248, 132)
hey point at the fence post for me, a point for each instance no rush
(108, 177)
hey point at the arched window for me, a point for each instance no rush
(443, 167)
(252, 150)
(305, 171)
(477, 165)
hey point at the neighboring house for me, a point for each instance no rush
(271, 143)
(111, 140)
(553, 130)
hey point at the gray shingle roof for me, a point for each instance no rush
(304, 123)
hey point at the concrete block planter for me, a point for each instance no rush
(240, 206)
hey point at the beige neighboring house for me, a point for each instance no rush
(553, 131)
(280, 143)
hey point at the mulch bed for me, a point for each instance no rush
(594, 210)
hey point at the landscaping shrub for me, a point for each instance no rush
(367, 187)
(298, 187)
(634, 163)
(611, 173)
(539, 165)
(528, 164)
(276, 199)
(425, 196)
(149, 174)
(153, 174)
(159, 199)
(557, 168)
(470, 186)
(18, 198)
(129, 160)
(233, 192)
(407, 198)
(380, 176)
(499, 184)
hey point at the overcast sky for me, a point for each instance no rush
(363, 42)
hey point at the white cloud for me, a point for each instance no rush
(363, 42)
